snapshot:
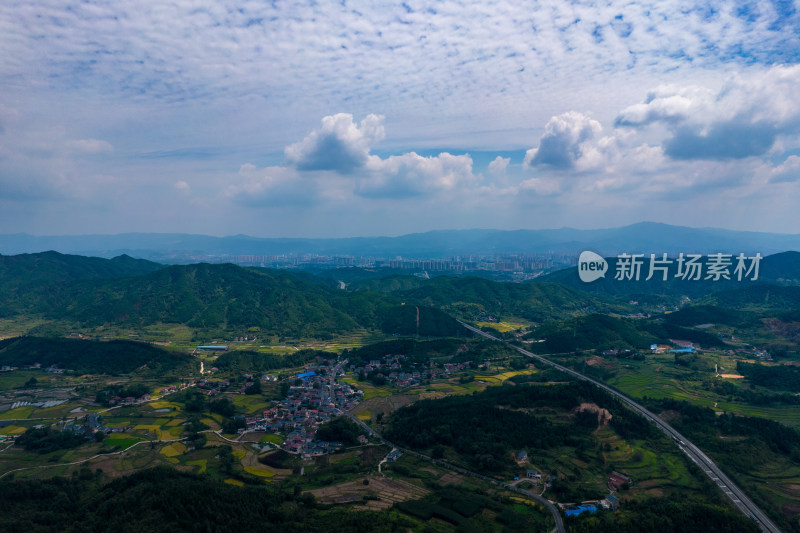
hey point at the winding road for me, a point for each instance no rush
(559, 528)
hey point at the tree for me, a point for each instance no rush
(226, 459)
(253, 388)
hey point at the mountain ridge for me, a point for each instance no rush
(642, 237)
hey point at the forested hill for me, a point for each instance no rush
(31, 282)
(52, 267)
(75, 292)
(91, 357)
(469, 297)
(221, 296)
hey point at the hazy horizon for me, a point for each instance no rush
(377, 236)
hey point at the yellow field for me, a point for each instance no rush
(259, 472)
(499, 378)
(234, 482)
(165, 405)
(202, 463)
(364, 415)
(239, 454)
(146, 427)
(176, 448)
(12, 430)
(18, 413)
(502, 327)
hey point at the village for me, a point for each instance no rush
(314, 398)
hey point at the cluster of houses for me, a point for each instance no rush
(395, 370)
(751, 352)
(128, 400)
(317, 400)
(92, 423)
(52, 369)
(212, 388)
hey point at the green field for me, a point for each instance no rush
(123, 440)
(251, 404)
(660, 378)
(272, 438)
(502, 327)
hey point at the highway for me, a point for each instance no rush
(734, 493)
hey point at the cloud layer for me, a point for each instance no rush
(327, 118)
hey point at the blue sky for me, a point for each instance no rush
(370, 118)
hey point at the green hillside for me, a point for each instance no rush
(604, 332)
(470, 297)
(219, 297)
(591, 332)
(756, 298)
(74, 292)
(90, 357)
(32, 282)
(709, 314)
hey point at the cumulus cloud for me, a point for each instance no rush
(743, 119)
(668, 103)
(339, 144)
(413, 175)
(498, 167)
(563, 141)
(732, 139)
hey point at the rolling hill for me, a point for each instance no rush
(91, 357)
(470, 297)
(30, 282)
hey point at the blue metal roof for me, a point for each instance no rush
(581, 509)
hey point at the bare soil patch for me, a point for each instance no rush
(388, 491)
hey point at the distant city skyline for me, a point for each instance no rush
(342, 120)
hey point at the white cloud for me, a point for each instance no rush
(410, 174)
(743, 119)
(498, 166)
(668, 103)
(564, 141)
(339, 144)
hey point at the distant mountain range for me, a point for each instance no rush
(644, 237)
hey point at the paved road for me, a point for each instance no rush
(734, 493)
(532, 495)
